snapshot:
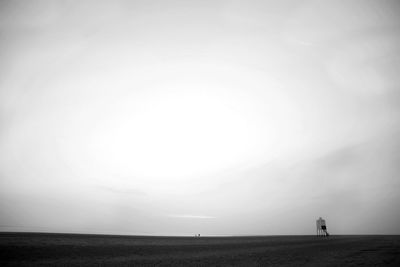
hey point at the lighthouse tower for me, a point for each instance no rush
(321, 227)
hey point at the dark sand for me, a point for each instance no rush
(28, 249)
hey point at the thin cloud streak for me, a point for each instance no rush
(188, 216)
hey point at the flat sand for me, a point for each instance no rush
(39, 249)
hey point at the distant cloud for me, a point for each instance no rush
(188, 216)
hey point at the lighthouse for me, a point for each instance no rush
(321, 227)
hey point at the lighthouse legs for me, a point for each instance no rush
(322, 232)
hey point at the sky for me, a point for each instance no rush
(211, 117)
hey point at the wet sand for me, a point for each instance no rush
(39, 249)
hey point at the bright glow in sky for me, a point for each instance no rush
(212, 117)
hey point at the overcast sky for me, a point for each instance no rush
(211, 117)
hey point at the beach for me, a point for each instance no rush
(44, 249)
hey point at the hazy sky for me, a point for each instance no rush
(211, 117)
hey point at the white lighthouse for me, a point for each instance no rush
(321, 227)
